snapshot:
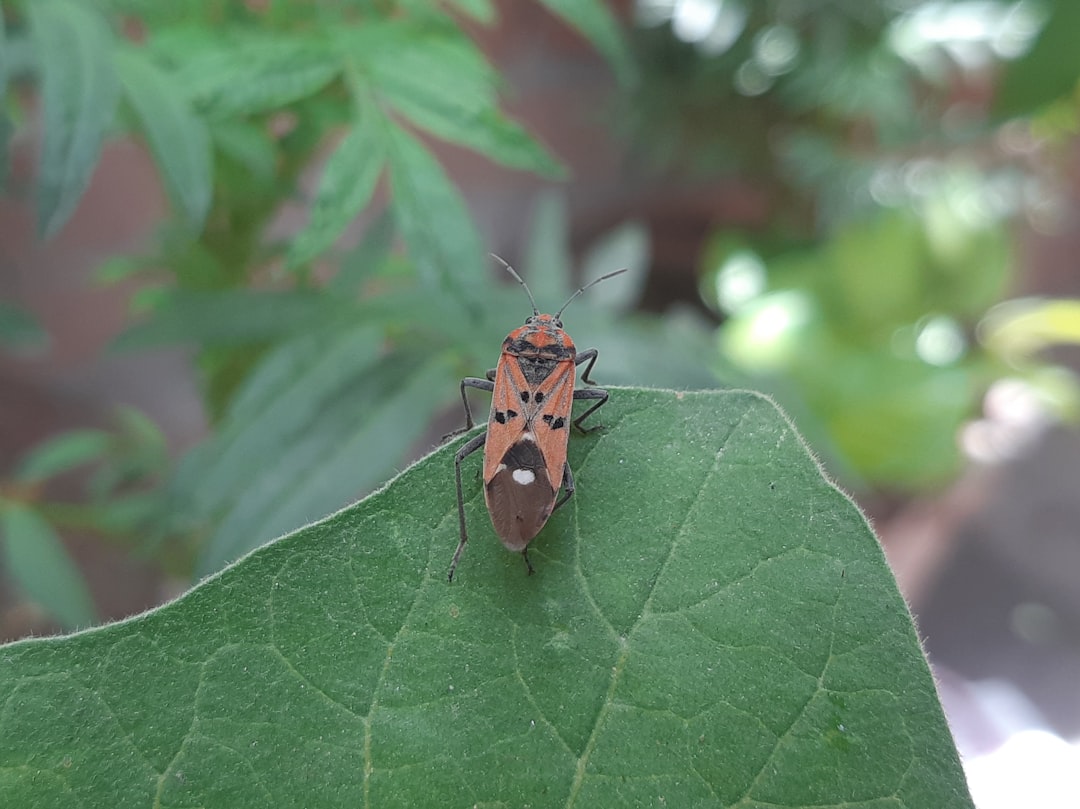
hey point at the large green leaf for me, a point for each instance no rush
(79, 92)
(711, 623)
(177, 137)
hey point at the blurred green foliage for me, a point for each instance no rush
(892, 176)
(857, 303)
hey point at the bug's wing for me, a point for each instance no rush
(551, 425)
(520, 495)
(504, 399)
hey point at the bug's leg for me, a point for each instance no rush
(470, 382)
(590, 355)
(568, 485)
(472, 446)
(589, 393)
(528, 564)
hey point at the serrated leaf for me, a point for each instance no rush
(177, 137)
(444, 86)
(345, 187)
(711, 623)
(433, 217)
(595, 22)
(36, 561)
(245, 75)
(79, 91)
(62, 453)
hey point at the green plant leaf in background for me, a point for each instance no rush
(593, 19)
(480, 10)
(434, 219)
(225, 317)
(254, 73)
(1047, 72)
(20, 329)
(711, 623)
(36, 561)
(61, 453)
(177, 137)
(444, 85)
(347, 183)
(6, 129)
(79, 91)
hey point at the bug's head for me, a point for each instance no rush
(555, 319)
(543, 320)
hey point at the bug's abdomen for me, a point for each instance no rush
(520, 495)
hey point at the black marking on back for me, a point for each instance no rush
(524, 455)
(503, 416)
(536, 369)
(554, 423)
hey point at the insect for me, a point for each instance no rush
(532, 395)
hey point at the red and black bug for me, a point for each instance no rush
(532, 396)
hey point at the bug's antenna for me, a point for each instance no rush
(521, 281)
(590, 284)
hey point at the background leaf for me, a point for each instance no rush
(6, 128)
(250, 74)
(79, 91)
(434, 219)
(1047, 72)
(177, 137)
(594, 21)
(61, 453)
(443, 85)
(347, 183)
(225, 317)
(36, 561)
(20, 329)
(711, 623)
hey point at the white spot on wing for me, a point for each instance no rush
(524, 476)
(528, 436)
(500, 468)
